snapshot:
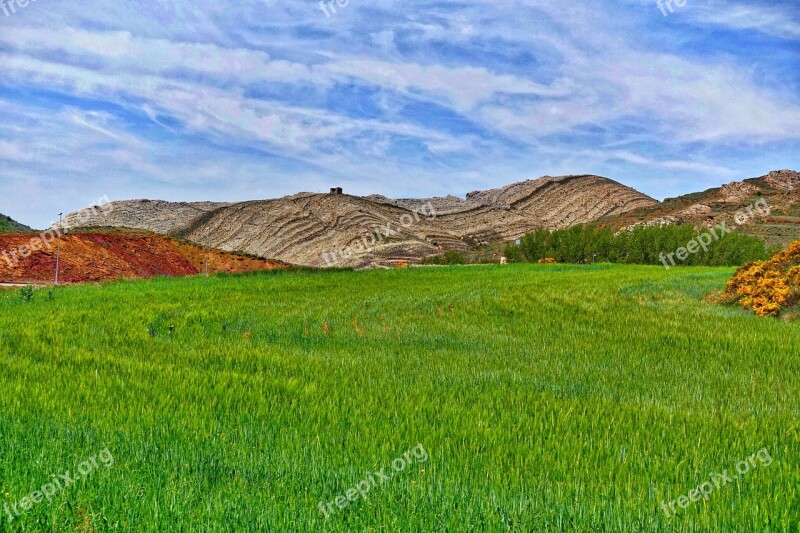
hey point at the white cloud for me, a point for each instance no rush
(771, 20)
(11, 152)
(411, 96)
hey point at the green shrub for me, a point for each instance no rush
(26, 294)
(587, 244)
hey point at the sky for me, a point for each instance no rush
(254, 99)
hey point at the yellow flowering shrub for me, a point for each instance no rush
(768, 287)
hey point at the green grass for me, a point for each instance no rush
(549, 398)
(8, 225)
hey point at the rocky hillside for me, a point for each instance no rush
(111, 255)
(161, 217)
(779, 189)
(342, 230)
(8, 225)
(511, 211)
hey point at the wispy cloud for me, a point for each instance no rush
(188, 100)
(774, 19)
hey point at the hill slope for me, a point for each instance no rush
(780, 189)
(325, 230)
(7, 225)
(101, 256)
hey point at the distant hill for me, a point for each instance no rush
(96, 256)
(780, 190)
(8, 225)
(341, 230)
(338, 229)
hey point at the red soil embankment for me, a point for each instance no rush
(103, 256)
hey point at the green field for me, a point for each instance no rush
(555, 398)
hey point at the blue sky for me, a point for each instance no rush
(197, 100)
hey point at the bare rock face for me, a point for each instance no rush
(695, 210)
(779, 191)
(565, 201)
(737, 191)
(323, 230)
(342, 230)
(443, 205)
(152, 215)
(508, 212)
(784, 180)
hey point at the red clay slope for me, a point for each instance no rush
(103, 256)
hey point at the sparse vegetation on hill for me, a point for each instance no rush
(8, 225)
(780, 190)
(768, 287)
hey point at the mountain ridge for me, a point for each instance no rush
(310, 228)
(334, 229)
